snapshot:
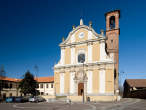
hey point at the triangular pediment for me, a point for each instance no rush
(81, 33)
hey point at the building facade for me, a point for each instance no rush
(135, 88)
(46, 87)
(10, 87)
(88, 67)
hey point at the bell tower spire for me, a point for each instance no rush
(112, 42)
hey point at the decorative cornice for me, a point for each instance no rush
(72, 46)
(102, 41)
(90, 43)
(102, 67)
(82, 42)
(85, 65)
(77, 28)
(62, 47)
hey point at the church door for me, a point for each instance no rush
(80, 89)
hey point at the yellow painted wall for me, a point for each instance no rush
(67, 82)
(57, 82)
(67, 55)
(109, 81)
(81, 47)
(96, 51)
(95, 81)
(77, 39)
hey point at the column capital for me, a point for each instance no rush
(102, 67)
(90, 43)
(102, 41)
(62, 47)
(72, 46)
(72, 70)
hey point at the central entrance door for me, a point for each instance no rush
(80, 89)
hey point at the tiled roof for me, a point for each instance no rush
(39, 79)
(45, 79)
(136, 82)
(10, 79)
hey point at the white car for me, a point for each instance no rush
(36, 99)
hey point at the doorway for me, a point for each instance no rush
(80, 89)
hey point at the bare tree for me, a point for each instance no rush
(2, 76)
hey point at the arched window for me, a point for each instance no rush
(112, 22)
(81, 58)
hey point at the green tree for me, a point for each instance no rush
(28, 84)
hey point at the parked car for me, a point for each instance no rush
(19, 99)
(10, 99)
(26, 98)
(1, 99)
(36, 99)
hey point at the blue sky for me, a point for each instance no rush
(30, 31)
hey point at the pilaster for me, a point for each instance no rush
(102, 50)
(62, 55)
(90, 45)
(102, 79)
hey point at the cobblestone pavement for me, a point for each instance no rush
(124, 104)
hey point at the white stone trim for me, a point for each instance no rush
(61, 83)
(76, 29)
(98, 63)
(102, 51)
(72, 55)
(89, 82)
(97, 39)
(89, 53)
(101, 81)
(72, 84)
(73, 38)
(90, 35)
(62, 56)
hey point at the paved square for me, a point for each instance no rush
(124, 104)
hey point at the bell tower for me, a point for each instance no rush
(112, 42)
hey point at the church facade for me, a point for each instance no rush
(88, 67)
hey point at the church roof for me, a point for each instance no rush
(136, 82)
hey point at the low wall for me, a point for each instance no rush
(91, 98)
(49, 96)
